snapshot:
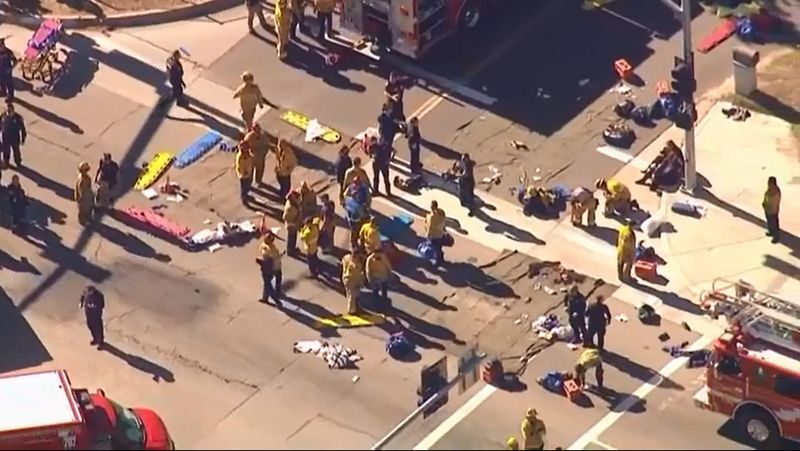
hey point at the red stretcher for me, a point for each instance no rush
(151, 221)
(720, 34)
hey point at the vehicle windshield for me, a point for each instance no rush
(129, 430)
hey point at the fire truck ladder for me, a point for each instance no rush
(770, 319)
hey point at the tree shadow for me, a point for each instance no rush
(508, 230)
(668, 298)
(606, 234)
(443, 152)
(787, 239)
(75, 73)
(130, 243)
(637, 370)
(462, 274)
(49, 116)
(21, 348)
(156, 371)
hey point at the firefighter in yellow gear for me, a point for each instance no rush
(618, 196)
(269, 260)
(379, 271)
(353, 278)
(369, 236)
(259, 145)
(533, 431)
(353, 172)
(250, 98)
(512, 444)
(84, 194)
(583, 201)
(283, 25)
(308, 200)
(435, 223)
(324, 10)
(309, 236)
(588, 359)
(285, 164)
(244, 170)
(626, 251)
(292, 220)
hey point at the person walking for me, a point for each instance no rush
(283, 27)
(285, 164)
(353, 278)
(259, 147)
(250, 99)
(380, 167)
(93, 302)
(269, 262)
(175, 78)
(309, 236)
(379, 271)
(466, 183)
(255, 8)
(599, 318)
(772, 207)
(292, 220)
(12, 135)
(17, 203)
(324, 17)
(575, 304)
(244, 171)
(7, 62)
(435, 224)
(106, 178)
(626, 251)
(84, 195)
(414, 145)
(533, 430)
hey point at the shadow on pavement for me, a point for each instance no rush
(49, 116)
(75, 73)
(24, 6)
(787, 239)
(60, 190)
(637, 370)
(615, 398)
(130, 243)
(21, 346)
(312, 61)
(54, 250)
(158, 372)
(421, 332)
(669, 298)
(606, 234)
(782, 266)
(22, 265)
(40, 213)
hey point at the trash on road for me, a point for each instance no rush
(222, 231)
(518, 145)
(356, 378)
(334, 354)
(150, 193)
(214, 247)
(621, 318)
(549, 327)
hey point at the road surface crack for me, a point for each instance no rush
(113, 123)
(54, 144)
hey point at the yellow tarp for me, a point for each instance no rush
(358, 320)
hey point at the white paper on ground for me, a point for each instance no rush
(150, 193)
(214, 247)
(314, 130)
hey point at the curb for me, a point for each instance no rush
(132, 19)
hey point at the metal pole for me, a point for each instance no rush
(690, 177)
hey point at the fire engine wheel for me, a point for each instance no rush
(470, 15)
(759, 427)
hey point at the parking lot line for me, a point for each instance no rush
(637, 396)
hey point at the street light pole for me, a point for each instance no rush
(690, 177)
(685, 14)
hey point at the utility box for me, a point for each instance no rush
(745, 78)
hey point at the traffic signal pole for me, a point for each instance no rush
(685, 13)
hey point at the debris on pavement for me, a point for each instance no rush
(664, 337)
(222, 231)
(356, 378)
(335, 355)
(496, 178)
(689, 208)
(623, 89)
(518, 145)
(399, 346)
(214, 247)
(150, 193)
(621, 318)
(177, 198)
(737, 114)
(549, 327)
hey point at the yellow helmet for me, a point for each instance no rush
(511, 443)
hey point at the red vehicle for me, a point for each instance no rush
(41, 411)
(753, 376)
(409, 27)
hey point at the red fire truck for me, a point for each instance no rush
(753, 376)
(40, 411)
(409, 27)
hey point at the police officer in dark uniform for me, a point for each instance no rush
(414, 145)
(380, 167)
(394, 90)
(575, 303)
(599, 317)
(12, 135)
(93, 302)
(466, 183)
(387, 125)
(175, 76)
(7, 62)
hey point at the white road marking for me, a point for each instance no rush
(603, 445)
(623, 156)
(458, 416)
(641, 393)
(588, 242)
